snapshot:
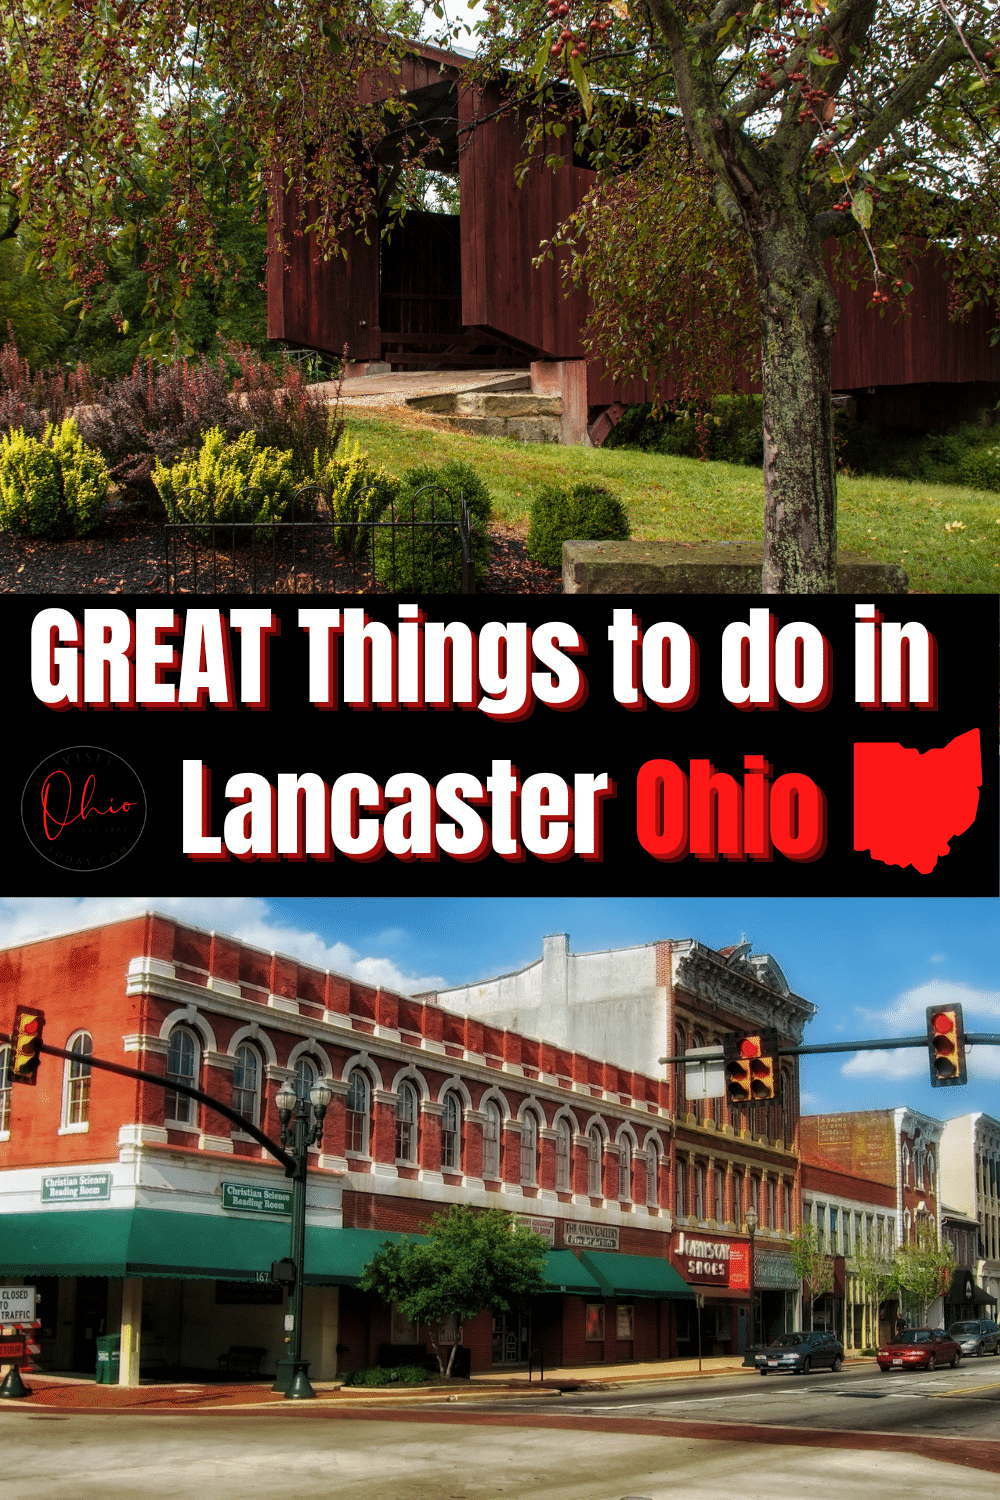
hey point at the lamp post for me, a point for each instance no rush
(751, 1223)
(297, 1135)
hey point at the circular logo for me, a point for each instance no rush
(83, 808)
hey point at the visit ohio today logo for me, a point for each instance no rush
(83, 808)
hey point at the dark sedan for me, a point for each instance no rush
(800, 1353)
(919, 1349)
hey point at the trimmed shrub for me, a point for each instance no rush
(585, 513)
(378, 1375)
(227, 481)
(359, 491)
(981, 468)
(53, 486)
(422, 552)
(455, 478)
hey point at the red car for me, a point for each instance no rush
(919, 1349)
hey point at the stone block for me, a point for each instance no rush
(701, 568)
(527, 405)
(535, 429)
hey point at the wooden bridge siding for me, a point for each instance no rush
(323, 304)
(924, 346)
(502, 226)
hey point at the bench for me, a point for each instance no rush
(241, 1359)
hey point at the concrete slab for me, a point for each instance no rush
(701, 568)
(419, 387)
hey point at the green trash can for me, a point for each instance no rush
(109, 1353)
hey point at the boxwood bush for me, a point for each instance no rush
(981, 468)
(227, 481)
(584, 512)
(422, 551)
(52, 486)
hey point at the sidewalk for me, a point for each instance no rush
(82, 1394)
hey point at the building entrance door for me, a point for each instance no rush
(89, 1321)
(511, 1338)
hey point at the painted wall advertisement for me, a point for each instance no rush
(805, 745)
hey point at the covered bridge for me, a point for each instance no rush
(452, 292)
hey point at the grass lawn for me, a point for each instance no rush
(893, 520)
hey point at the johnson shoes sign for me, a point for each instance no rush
(703, 1260)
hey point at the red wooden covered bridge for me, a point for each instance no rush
(451, 292)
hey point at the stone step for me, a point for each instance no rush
(526, 429)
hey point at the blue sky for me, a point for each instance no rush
(870, 966)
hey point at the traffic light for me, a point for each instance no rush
(750, 1063)
(26, 1044)
(946, 1045)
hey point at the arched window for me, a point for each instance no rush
(652, 1174)
(564, 1141)
(680, 1169)
(76, 1082)
(451, 1134)
(5, 1087)
(358, 1113)
(906, 1167)
(699, 1193)
(595, 1162)
(624, 1170)
(738, 1206)
(718, 1196)
(406, 1123)
(492, 1126)
(770, 1219)
(529, 1148)
(305, 1079)
(183, 1059)
(246, 1083)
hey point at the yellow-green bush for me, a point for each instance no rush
(359, 491)
(52, 486)
(227, 481)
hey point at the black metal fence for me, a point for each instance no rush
(420, 544)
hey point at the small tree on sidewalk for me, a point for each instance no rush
(469, 1261)
(922, 1268)
(812, 1266)
(875, 1272)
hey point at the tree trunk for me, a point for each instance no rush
(799, 314)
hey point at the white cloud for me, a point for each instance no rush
(938, 958)
(908, 1011)
(899, 1063)
(249, 918)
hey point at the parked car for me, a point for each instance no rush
(800, 1353)
(977, 1336)
(919, 1349)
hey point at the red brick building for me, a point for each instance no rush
(131, 1207)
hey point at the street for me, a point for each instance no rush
(954, 1403)
(855, 1431)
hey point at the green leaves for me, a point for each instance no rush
(861, 208)
(580, 79)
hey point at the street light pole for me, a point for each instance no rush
(751, 1223)
(297, 1135)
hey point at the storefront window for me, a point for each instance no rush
(595, 1320)
(624, 1323)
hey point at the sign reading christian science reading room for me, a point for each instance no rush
(251, 1199)
(81, 1187)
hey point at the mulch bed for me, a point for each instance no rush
(127, 555)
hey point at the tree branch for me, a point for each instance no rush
(903, 103)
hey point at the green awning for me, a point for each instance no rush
(564, 1273)
(153, 1242)
(637, 1276)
